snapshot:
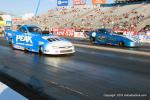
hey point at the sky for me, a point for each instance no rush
(21, 7)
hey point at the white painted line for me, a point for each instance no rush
(114, 49)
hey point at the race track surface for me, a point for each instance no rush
(89, 74)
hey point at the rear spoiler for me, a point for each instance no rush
(8, 32)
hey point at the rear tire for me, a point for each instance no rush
(121, 44)
(10, 42)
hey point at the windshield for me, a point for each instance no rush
(34, 29)
(111, 31)
(106, 30)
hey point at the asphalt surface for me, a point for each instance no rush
(143, 46)
(89, 74)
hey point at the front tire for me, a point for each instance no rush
(26, 50)
(40, 50)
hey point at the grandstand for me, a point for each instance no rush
(124, 17)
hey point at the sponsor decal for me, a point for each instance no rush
(41, 43)
(79, 2)
(99, 1)
(63, 32)
(21, 38)
(62, 2)
(111, 39)
(102, 38)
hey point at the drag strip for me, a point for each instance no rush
(115, 49)
(145, 47)
(89, 74)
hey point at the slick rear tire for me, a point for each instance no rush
(10, 42)
(121, 44)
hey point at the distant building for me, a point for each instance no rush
(6, 20)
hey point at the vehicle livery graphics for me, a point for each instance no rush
(24, 39)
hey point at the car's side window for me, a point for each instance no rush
(22, 29)
(99, 31)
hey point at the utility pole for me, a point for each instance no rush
(37, 7)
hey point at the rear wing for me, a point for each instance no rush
(8, 34)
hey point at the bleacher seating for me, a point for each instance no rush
(129, 16)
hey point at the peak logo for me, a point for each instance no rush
(27, 39)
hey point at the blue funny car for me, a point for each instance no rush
(107, 36)
(32, 38)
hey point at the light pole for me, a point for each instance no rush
(37, 7)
